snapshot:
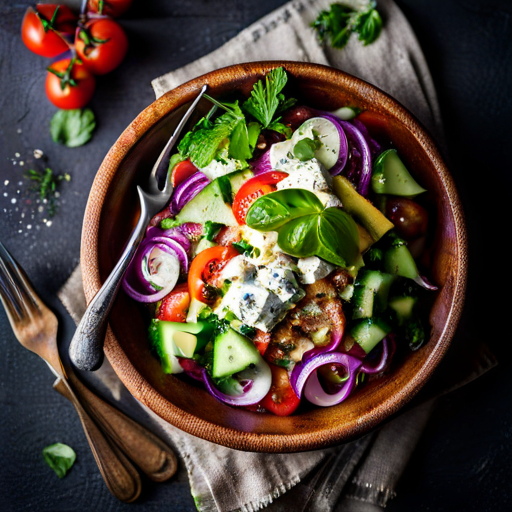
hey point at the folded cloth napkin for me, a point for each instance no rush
(364, 473)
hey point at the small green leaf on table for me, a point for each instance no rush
(72, 128)
(60, 457)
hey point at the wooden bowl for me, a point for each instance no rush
(112, 211)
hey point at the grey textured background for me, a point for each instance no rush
(463, 460)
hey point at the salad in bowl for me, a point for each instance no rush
(286, 268)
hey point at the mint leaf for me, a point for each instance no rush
(72, 128)
(253, 130)
(368, 26)
(265, 98)
(60, 457)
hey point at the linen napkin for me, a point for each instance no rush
(364, 473)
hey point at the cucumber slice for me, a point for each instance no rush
(326, 132)
(371, 293)
(390, 176)
(232, 353)
(202, 245)
(368, 332)
(194, 309)
(213, 203)
(361, 209)
(399, 261)
(403, 307)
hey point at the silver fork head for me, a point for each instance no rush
(34, 325)
(161, 165)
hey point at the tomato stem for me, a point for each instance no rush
(48, 24)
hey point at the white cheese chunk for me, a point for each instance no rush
(281, 281)
(312, 269)
(264, 241)
(238, 269)
(216, 168)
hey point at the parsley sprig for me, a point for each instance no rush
(239, 125)
(45, 185)
(339, 22)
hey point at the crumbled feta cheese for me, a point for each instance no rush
(281, 281)
(264, 241)
(312, 269)
(238, 269)
(216, 168)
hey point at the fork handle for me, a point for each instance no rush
(121, 478)
(150, 453)
(86, 348)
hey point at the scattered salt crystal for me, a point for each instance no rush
(17, 155)
(20, 231)
(20, 183)
(57, 194)
(38, 153)
(19, 130)
(40, 209)
(6, 194)
(6, 182)
(29, 226)
(22, 163)
(49, 223)
(14, 162)
(13, 200)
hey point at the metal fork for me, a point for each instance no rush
(86, 349)
(35, 327)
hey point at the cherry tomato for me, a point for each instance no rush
(174, 306)
(181, 171)
(112, 8)
(41, 29)
(203, 269)
(227, 235)
(410, 219)
(69, 84)
(101, 45)
(252, 189)
(281, 399)
(261, 340)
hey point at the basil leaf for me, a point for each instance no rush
(72, 128)
(305, 149)
(338, 237)
(271, 211)
(368, 26)
(299, 237)
(226, 189)
(211, 229)
(60, 457)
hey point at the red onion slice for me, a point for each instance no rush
(299, 378)
(261, 164)
(254, 384)
(387, 348)
(187, 190)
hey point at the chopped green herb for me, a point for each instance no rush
(339, 22)
(72, 127)
(211, 229)
(46, 184)
(244, 248)
(169, 223)
(60, 457)
(305, 149)
(280, 128)
(247, 331)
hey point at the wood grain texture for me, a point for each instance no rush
(193, 410)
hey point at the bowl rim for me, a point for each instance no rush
(142, 390)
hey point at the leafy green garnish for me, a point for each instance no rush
(254, 130)
(266, 99)
(169, 223)
(225, 189)
(339, 22)
(46, 184)
(211, 229)
(281, 128)
(246, 330)
(60, 457)
(305, 149)
(305, 228)
(72, 127)
(246, 249)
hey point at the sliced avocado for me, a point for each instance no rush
(390, 176)
(361, 209)
(213, 203)
(232, 353)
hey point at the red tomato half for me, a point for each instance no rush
(204, 267)
(281, 399)
(41, 28)
(101, 45)
(112, 8)
(71, 96)
(181, 171)
(252, 189)
(174, 307)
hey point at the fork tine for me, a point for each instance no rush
(15, 291)
(162, 162)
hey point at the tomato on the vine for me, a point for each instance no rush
(281, 399)
(69, 84)
(112, 8)
(252, 189)
(42, 29)
(101, 45)
(204, 267)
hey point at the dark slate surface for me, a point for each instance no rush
(462, 462)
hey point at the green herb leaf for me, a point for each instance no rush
(272, 211)
(281, 128)
(254, 130)
(60, 457)
(368, 26)
(265, 98)
(305, 149)
(340, 21)
(211, 229)
(169, 223)
(226, 189)
(72, 128)
(246, 249)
